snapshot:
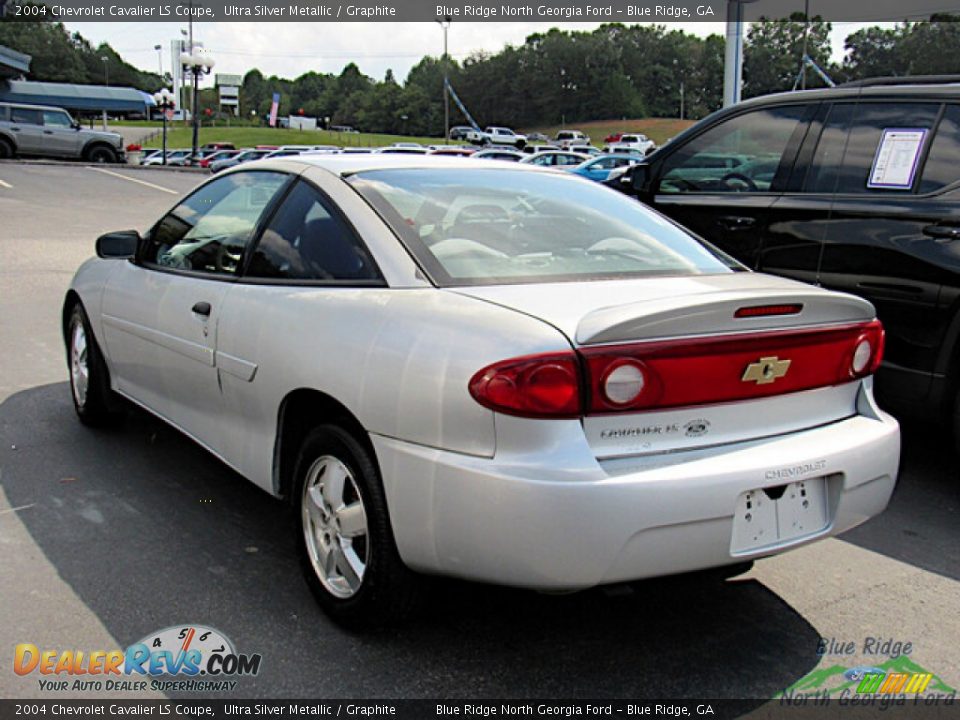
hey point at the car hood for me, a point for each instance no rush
(110, 137)
(630, 310)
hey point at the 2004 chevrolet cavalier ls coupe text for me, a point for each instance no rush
(487, 371)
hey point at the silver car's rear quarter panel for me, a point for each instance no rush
(399, 360)
(560, 519)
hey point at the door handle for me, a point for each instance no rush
(736, 222)
(943, 232)
(891, 287)
(202, 308)
(15, 129)
(48, 132)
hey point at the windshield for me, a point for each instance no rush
(478, 226)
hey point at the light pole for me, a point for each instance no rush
(166, 102)
(444, 22)
(197, 64)
(159, 49)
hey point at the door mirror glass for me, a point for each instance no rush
(122, 244)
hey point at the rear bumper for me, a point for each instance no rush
(531, 523)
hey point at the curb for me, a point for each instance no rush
(80, 163)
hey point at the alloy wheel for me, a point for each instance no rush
(335, 527)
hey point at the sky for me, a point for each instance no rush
(291, 49)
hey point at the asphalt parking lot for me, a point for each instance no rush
(106, 536)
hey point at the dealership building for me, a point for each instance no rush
(79, 100)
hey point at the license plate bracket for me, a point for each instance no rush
(771, 517)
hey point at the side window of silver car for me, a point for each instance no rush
(209, 231)
(308, 239)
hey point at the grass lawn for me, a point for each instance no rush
(181, 137)
(657, 129)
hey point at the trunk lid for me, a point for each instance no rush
(603, 318)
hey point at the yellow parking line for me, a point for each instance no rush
(5, 184)
(134, 180)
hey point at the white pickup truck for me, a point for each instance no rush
(496, 136)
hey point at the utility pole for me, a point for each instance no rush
(445, 24)
(196, 82)
(733, 59)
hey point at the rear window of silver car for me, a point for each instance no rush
(494, 226)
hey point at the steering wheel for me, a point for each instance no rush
(739, 177)
(227, 261)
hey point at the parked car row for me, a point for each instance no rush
(564, 140)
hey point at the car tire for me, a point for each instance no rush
(95, 403)
(343, 534)
(102, 155)
(6, 149)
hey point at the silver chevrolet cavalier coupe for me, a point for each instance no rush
(487, 371)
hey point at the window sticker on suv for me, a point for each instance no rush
(898, 155)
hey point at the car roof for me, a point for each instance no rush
(852, 91)
(30, 106)
(554, 152)
(344, 165)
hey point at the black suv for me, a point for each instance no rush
(855, 188)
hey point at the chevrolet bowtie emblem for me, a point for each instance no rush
(765, 370)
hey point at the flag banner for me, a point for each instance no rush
(274, 107)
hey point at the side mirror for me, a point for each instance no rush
(122, 244)
(641, 177)
(76, 125)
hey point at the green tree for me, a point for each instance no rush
(54, 57)
(772, 54)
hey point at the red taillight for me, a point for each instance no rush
(865, 356)
(541, 386)
(699, 371)
(678, 373)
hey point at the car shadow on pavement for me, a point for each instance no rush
(919, 527)
(150, 531)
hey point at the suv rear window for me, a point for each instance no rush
(859, 147)
(942, 168)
